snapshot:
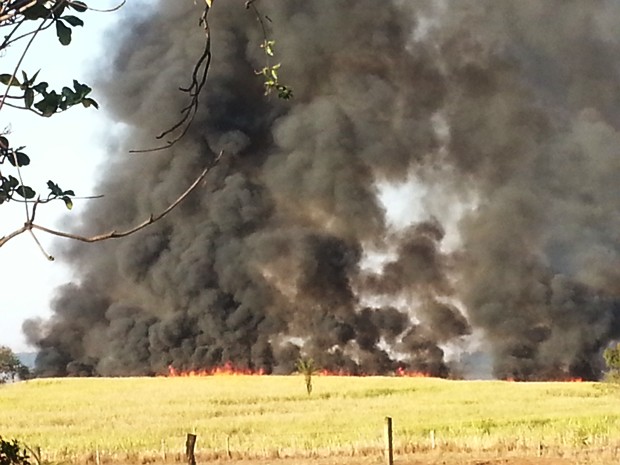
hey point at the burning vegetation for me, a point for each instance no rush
(505, 120)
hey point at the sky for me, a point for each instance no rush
(67, 148)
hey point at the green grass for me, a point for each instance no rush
(269, 416)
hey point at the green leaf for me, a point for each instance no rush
(22, 159)
(4, 143)
(41, 87)
(268, 47)
(36, 11)
(71, 98)
(6, 78)
(69, 192)
(81, 89)
(78, 6)
(73, 20)
(285, 93)
(58, 9)
(34, 78)
(25, 192)
(88, 102)
(13, 182)
(63, 32)
(29, 97)
(52, 186)
(50, 103)
(68, 202)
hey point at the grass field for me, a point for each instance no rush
(146, 419)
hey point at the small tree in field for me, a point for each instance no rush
(306, 367)
(612, 360)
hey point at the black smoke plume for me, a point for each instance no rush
(506, 114)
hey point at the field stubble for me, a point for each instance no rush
(145, 420)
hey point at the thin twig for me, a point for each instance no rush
(16, 8)
(30, 225)
(48, 256)
(51, 199)
(46, 24)
(198, 80)
(17, 232)
(19, 63)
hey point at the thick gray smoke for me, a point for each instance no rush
(507, 110)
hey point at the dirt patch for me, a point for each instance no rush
(428, 459)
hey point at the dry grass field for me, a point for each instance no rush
(271, 418)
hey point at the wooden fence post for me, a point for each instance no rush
(389, 451)
(190, 443)
(228, 452)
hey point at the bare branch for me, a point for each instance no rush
(30, 225)
(198, 80)
(48, 256)
(16, 8)
(17, 232)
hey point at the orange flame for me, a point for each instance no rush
(227, 370)
(340, 372)
(411, 374)
(568, 380)
(400, 372)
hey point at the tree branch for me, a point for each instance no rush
(30, 225)
(198, 80)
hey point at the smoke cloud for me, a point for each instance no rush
(504, 113)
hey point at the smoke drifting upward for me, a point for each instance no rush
(508, 110)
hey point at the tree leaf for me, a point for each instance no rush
(63, 32)
(6, 78)
(59, 9)
(41, 87)
(73, 20)
(49, 104)
(22, 159)
(34, 78)
(52, 186)
(36, 11)
(29, 97)
(81, 89)
(68, 202)
(25, 192)
(78, 6)
(87, 102)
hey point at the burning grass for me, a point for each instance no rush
(146, 419)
